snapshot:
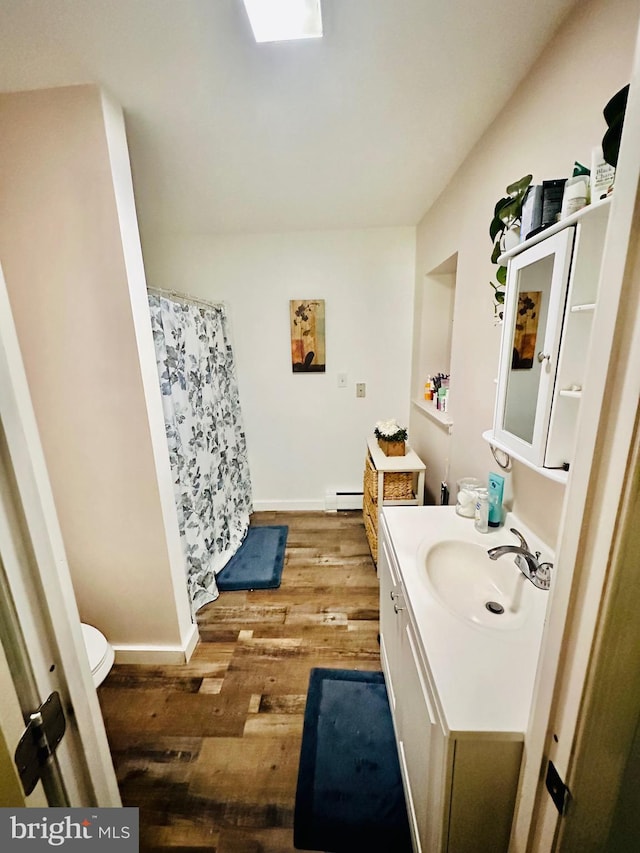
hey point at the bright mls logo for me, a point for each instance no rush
(69, 829)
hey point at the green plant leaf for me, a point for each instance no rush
(511, 211)
(497, 251)
(499, 296)
(496, 227)
(518, 188)
(499, 205)
(501, 275)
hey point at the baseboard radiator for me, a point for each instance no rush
(342, 501)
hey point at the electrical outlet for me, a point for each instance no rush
(342, 380)
(361, 389)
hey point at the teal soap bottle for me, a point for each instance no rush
(496, 490)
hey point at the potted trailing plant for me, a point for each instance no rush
(505, 225)
(391, 437)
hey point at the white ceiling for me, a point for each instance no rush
(362, 128)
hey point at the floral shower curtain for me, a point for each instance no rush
(205, 434)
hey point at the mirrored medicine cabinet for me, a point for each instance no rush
(551, 295)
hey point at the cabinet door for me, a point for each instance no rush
(483, 794)
(421, 748)
(534, 309)
(390, 624)
(581, 301)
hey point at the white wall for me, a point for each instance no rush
(68, 274)
(554, 118)
(305, 435)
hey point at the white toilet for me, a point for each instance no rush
(99, 652)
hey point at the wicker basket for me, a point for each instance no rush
(397, 486)
(370, 518)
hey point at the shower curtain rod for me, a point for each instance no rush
(186, 297)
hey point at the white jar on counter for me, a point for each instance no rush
(466, 497)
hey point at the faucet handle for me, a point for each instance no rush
(523, 541)
(543, 576)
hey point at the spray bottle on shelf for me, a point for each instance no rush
(428, 389)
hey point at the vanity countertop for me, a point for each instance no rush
(483, 676)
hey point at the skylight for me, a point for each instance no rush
(284, 20)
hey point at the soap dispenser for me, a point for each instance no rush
(496, 490)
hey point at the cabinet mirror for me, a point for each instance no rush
(534, 306)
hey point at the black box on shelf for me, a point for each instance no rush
(552, 192)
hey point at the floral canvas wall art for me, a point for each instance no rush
(307, 335)
(526, 330)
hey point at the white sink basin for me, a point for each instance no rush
(485, 592)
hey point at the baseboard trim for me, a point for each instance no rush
(288, 506)
(170, 655)
(192, 642)
(349, 501)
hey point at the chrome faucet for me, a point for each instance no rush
(529, 564)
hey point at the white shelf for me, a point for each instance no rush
(588, 306)
(591, 209)
(429, 409)
(398, 464)
(558, 475)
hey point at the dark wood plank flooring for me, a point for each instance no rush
(209, 750)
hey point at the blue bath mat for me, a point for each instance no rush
(257, 564)
(349, 795)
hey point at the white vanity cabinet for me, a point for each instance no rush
(460, 786)
(420, 737)
(551, 294)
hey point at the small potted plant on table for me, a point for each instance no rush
(391, 437)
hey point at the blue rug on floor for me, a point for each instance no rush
(257, 564)
(349, 794)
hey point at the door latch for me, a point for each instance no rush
(559, 792)
(39, 741)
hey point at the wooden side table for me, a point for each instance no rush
(389, 480)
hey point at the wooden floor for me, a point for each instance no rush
(209, 750)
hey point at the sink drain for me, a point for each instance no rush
(494, 607)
